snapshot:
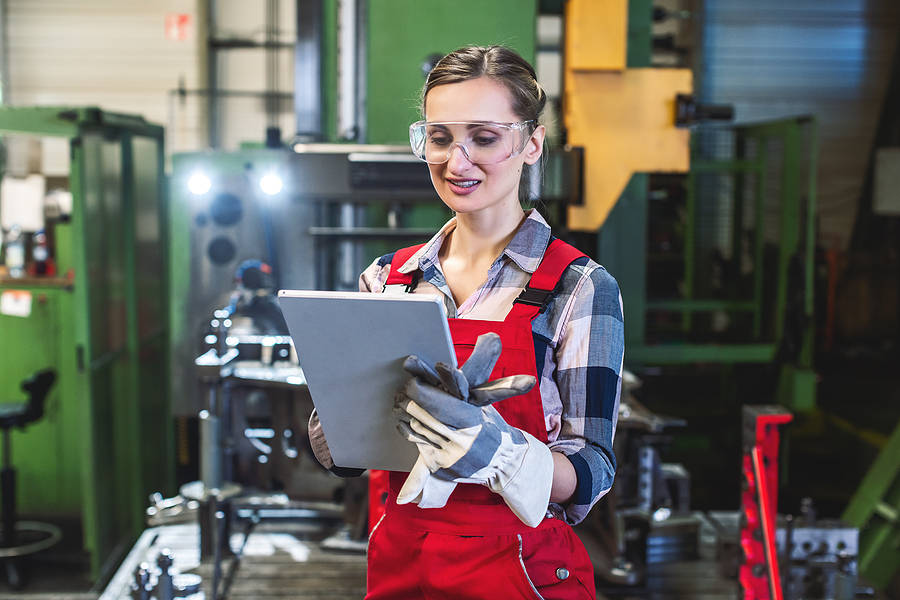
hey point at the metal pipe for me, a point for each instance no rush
(272, 64)
(4, 52)
(308, 70)
(361, 79)
(347, 70)
(212, 76)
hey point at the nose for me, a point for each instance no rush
(458, 162)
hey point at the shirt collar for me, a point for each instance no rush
(526, 249)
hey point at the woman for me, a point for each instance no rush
(543, 457)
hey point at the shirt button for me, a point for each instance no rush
(562, 573)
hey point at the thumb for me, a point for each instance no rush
(480, 364)
(501, 389)
(415, 483)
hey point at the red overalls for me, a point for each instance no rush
(475, 547)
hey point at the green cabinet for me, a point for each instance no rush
(105, 442)
(46, 452)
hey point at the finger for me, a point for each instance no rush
(425, 423)
(410, 434)
(414, 484)
(419, 368)
(436, 492)
(500, 389)
(434, 437)
(401, 400)
(440, 405)
(453, 379)
(404, 418)
(481, 363)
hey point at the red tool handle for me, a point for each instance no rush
(767, 519)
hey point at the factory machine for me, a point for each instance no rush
(313, 216)
(313, 227)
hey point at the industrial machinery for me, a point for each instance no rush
(646, 517)
(875, 509)
(759, 570)
(333, 203)
(100, 321)
(820, 557)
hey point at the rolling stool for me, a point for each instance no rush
(18, 538)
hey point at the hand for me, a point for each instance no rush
(462, 439)
(420, 486)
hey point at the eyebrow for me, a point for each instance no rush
(469, 124)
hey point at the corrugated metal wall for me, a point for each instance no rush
(830, 58)
(115, 54)
(108, 53)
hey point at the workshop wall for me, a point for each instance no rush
(773, 59)
(116, 54)
(132, 56)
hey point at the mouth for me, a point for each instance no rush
(463, 186)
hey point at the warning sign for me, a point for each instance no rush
(178, 27)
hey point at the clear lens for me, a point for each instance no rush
(483, 143)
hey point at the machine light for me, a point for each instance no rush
(199, 184)
(270, 184)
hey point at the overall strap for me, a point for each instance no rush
(544, 281)
(400, 257)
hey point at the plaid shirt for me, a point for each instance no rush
(578, 342)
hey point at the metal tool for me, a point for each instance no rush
(169, 584)
(819, 557)
(759, 574)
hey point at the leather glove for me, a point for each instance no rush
(462, 439)
(420, 486)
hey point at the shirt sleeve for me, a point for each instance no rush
(323, 452)
(589, 358)
(373, 278)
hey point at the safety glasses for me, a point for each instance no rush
(482, 142)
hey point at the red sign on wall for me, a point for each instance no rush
(178, 27)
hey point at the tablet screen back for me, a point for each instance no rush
(351, 347)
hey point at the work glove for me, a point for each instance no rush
(461, 438)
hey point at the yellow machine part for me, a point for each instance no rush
(596, 35)
(623, 118)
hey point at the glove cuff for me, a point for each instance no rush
(527, 491)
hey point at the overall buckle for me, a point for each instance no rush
(535, 297)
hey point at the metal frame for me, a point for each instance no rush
(123, 425)
(797, 199)
(875, 509)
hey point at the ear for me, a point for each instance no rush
(535, 146)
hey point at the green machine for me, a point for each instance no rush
(101, 322)
(328, 213)
(875, 509)
(730, 260)
(403, 34)
(717, 267)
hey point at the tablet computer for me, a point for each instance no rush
(351, 347)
